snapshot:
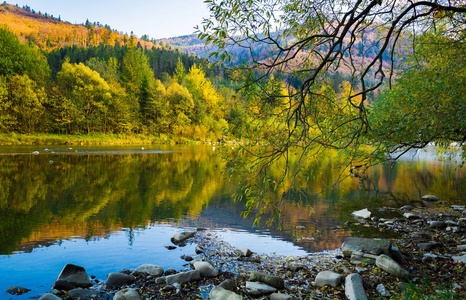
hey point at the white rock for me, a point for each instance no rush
(205, 269)
(363, 214)
(328, 278)
(354, 289)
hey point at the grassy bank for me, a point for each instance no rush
(88, 139)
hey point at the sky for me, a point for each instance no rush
(157, 18)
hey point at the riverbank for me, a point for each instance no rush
(91, 139)
(427, 262)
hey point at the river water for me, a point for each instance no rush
(111, 208)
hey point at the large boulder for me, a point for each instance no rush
(256, 289)
(80, 293)
(182, 236)
(371, 246)
(117, 280)
(268, 279)
(390, 266)
(328, 278)
(354, 289)
(219, 293)
(205, 269)
(127, 294)
(71, 277)
(149, 269)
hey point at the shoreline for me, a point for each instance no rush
(431, 241)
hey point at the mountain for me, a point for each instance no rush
(49, 32)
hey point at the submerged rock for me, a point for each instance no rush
(17, 290)
(72, 276)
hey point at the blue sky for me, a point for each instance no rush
(157, 18)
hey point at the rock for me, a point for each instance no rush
(116, 280)
(17, 290)
(430, 198)
(219, 293)
(406, 207)
(35, 152)
(411, 216)
(127, 294)
(277, 296)
(295, 267)
(80, 293)
(328, 278)
(362, 214)
(170, 247)
(437, 224)
(273, 281)
(390, 266)
(354, 289)
(458, 207)
(258, 289)
(182, 236)
(149, 269)
(429, 246)
(244, 252)
(360, 269)
(227, 284)
(359, 257)
(451, 223)
(199, 250)
(170, 271)
(383, 291)
(72, 276)
(429, 257)
(186, 257)
(183, 277)
(461, 247)
(49, 297)
(205, 269)
(459, 259)
(372, 246)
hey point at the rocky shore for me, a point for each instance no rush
(428, 259)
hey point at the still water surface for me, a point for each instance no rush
(110, 208)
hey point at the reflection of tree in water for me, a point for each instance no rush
(94, 194)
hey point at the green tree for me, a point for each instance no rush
(5, 117)
(26, 104)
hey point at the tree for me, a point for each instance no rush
(309, 41)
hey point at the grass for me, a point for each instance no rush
(88, 139)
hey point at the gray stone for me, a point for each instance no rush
(219, 293)
(429, 257)
(411, 216)
(383, 291)
(72, 276)
(372, 246)
(49, 297)
(277, 296)
(116, 280)
(354, 289)
(205, 269)
(430, 198)
(359, 257)
(429, 246)
(295, 267)
(437, 224)
(328, 278)
(390, 266)
(268, 279)
(458, 207)
(17, 290)
(149, 269)
(406, 207)
(187, 257)
(459, 259)
(244, 252)
(182, 236)
(259, 289)
(362, 214)
(183, 277)
(461, 247)
(127, 294)
(80, 293)
(360, 269)
(227, 284)
(451, 223)
(169, 271)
